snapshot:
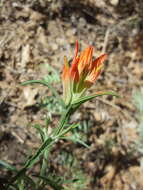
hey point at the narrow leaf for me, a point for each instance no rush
(72, 138)
(45, 83)
(8, 166)
(86, 98)
(41, 132)
(67, 130)
(33, 159)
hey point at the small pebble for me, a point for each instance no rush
(114, 2)
(54, 46)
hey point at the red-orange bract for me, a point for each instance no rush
(81, 74)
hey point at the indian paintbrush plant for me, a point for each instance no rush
(77, 77)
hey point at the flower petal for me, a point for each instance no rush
(95, 70)
(85, 59)
(74, 71)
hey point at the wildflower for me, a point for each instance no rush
(81, 74)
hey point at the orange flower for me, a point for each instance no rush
(81, 75)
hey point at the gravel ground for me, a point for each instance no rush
(36, 34)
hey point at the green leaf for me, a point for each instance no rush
(86, 98)
(54, 76)
(76, 140)
(41, 132)
(138, 99)
(13, 187)
(67, 130)
(47, 144)
(45, 83)
(8, 166)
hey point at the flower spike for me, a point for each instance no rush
(81, 75)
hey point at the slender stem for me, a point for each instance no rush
(44, 163)
(65, 116)
(43, 167)
(46, 145)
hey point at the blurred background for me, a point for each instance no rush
(34, 37)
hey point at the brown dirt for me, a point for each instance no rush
(37, 32)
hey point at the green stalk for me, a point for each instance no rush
(46, 145)
(44, 163)
(65, 116)
(43, 167)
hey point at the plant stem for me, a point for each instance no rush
(43, 167)
(45, 146)
(64, 118)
